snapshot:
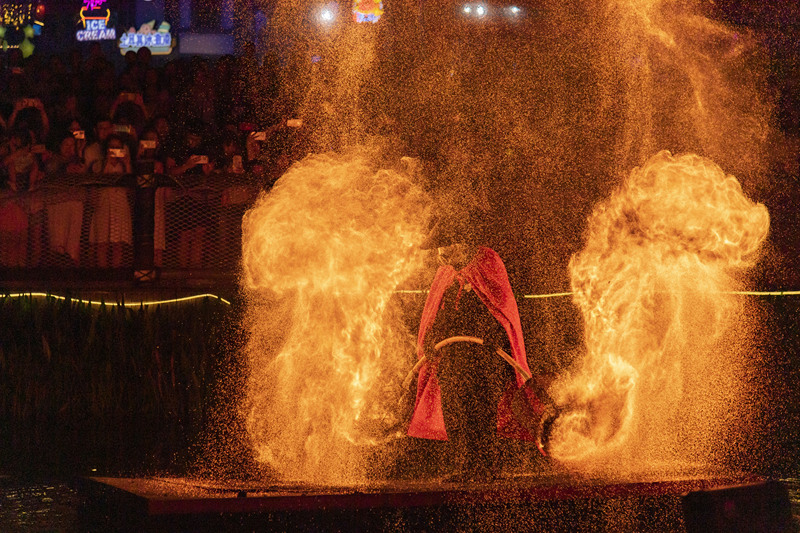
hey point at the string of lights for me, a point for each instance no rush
(187, 299)
(127, 304)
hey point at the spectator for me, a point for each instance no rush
(16, 82)
(231, 159)
(75, 62)
(166, 137)
(237, 193)
(14, 60)
(192, 157)
(94, 153)
(29, 114)
(64, 202)
(187, 97)
(96, 60)
(284, 147)
(131, 81)
(257, 155)
(104, 92)
(111, 230)
(223, 73)
(70, 156)
(149, 157)
(64, 113)
(150, 160)
(129, 109)
(117, 160)
(173, 82)
(22, 165)
(52, 80)
(201, 95)
(130, 60)
(144, 57)
(156, 99)
(190, 209)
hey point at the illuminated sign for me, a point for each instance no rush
(159, 41)
(17, 14)
(93, 4)
(95, 28)
(367, 10)
(19, 24)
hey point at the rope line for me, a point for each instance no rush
(562, 294)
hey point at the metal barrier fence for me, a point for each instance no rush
(140, 222)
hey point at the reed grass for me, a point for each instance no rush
(109, 388)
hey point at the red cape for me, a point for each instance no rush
(487, 275)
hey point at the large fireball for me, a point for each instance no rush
(324, 252)
(659, 381)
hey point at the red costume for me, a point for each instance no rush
(487, 275)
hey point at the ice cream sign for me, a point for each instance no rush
(95, 23)
(158, 41)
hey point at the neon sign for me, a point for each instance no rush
(95, 28)
(19, 24)
(367, 10)
(159, 42)
(17, 14)
(93, 4)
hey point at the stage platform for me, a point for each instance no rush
(526, 503)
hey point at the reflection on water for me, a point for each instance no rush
(43, 505)
(793, 485)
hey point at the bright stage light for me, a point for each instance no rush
(475, 10)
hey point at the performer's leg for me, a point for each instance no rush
(481, 397)
(472, 383)
(451, 379)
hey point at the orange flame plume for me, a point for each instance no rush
(662, 335)
(328, 246)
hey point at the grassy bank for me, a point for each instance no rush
(110, 387)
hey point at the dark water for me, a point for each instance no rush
(793, 485)
(38, 505)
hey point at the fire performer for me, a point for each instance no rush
(464, 390)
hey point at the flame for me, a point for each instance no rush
(658, 377)
(323, 253)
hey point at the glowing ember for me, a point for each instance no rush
(329, 245)
(658, 382)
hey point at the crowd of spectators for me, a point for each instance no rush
(75, 118)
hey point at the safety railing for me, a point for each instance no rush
(140, 224)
